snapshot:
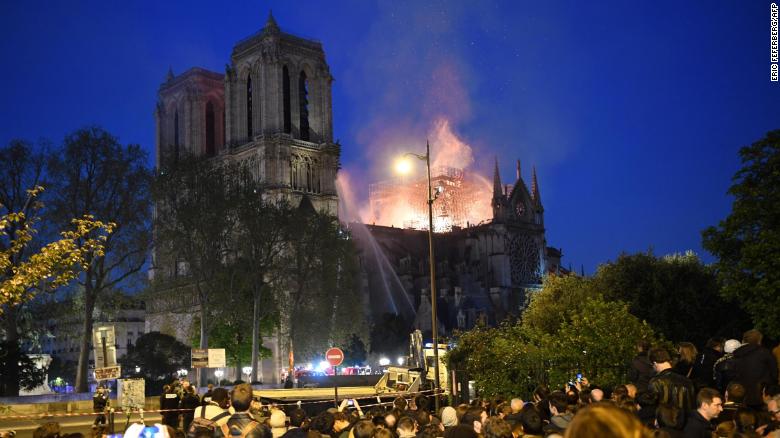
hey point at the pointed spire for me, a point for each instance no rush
(582, 270)
(270, 24)
(169, 76)
(535, 188)
(518, 169)
(497, 186)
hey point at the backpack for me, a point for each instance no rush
(201, 425)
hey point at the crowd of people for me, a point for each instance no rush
(730, 389)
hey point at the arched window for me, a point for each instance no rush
(309, 184)
(176, 135)
(303, 102)
(249, 130)
(210, 131)
(286, 99)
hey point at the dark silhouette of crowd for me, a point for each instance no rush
(729, 389)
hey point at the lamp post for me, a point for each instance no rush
(404, 168)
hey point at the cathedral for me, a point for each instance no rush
(270, 112)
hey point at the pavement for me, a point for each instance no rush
(72, 424)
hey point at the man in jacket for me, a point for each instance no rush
(672, 388)
(755, 368)
(641, 368)
(709, 406)
(242, 424)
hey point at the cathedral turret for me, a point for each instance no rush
(519, 177)
(498, 192)
(535, 189)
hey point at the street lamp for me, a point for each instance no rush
(218, 374)
(403, 166)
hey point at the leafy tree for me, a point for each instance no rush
(318, 292)
(677, 295)
(158, 356)
(195, 226)
(747, 241)
(568, 327)
(27, 265)
(93, 174)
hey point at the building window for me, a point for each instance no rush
(286, 99)
(210, 131)
(249, 129)
(303, 103)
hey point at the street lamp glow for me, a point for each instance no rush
(182, 372)
(247, 370)
(383, 362)
(400, 360)
(403, 166)
(324, 365)
(218, 374)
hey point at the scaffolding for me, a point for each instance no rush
(460, 201)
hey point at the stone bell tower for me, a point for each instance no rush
(278, 103)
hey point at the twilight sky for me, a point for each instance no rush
(632, 112)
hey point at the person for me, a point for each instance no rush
(496, 427)
(297, 419)
(406, 427)
(671, 387)
(685, 364)
(207, 396)
(169, 402)
(725, 368)
(241, 423)
(703, 374)
(278, 423)
(641, 368)
(475, 416)
(668, 419)
(734, 398)
(515, 405)
(533, 426)
(189, 401)
(755, 367)
(449, 418)
(560, 418)
(709, 405)
(605, 420)
(99, 405)
(216, 409)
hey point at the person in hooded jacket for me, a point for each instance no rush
(756, 367)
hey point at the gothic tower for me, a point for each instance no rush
(270, 112)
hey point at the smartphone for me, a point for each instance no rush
(579, 377)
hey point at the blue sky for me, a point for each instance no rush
(632, 112)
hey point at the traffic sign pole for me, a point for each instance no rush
(335, 357)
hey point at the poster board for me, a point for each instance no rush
(131, 394)
(217, 358)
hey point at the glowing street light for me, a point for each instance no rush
(219, 374)
(431, 197)
(247, 370)
(383, 362)
(403, 166)
(400, 360)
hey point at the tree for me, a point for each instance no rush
(93, 174)
(568, 327)
(262, 239)
(318, 293)
(747, 242)
(157, 357)
(195, 226)
(677, 295)
(27, 265)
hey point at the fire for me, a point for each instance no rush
(462, 197)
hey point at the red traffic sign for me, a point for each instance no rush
(334, 356)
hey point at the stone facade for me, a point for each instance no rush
(269, 113)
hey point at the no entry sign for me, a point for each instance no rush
(334, 356)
